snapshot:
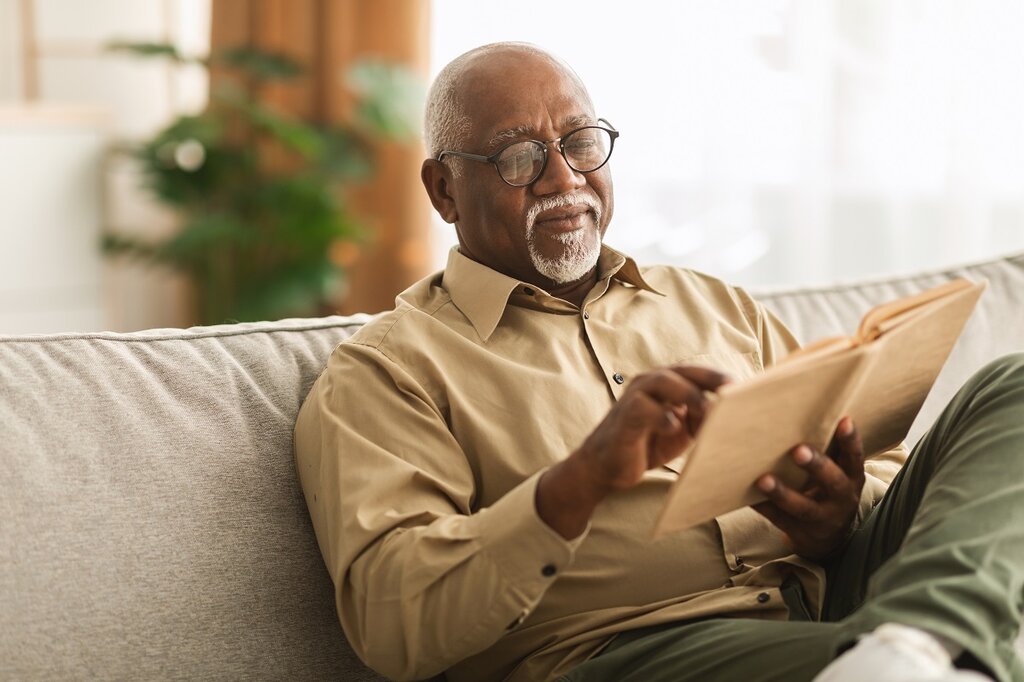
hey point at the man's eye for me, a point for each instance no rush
(518, 160)
(587, 143)
(511, 160)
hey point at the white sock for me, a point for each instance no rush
(898, 653)
(952, 648)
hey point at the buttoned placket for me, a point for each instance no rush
(615, 379)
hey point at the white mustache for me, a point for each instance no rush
(562, 201)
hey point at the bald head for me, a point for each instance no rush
(446, 121)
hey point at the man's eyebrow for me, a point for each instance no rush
(509, 134)
(527, 131)
(577, 121)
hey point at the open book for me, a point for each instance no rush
(879, 377)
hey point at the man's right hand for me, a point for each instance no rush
(656, 418)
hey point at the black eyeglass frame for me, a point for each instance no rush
(493, 158)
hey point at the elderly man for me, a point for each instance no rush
(484, 463)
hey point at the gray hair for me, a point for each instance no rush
(445, 123)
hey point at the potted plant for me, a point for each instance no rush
(259, 192)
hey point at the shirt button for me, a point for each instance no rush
(528, 291)
(548, 570)
(586, 315)
(763, 597)
(618, 378)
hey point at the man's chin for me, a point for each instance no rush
(568, 256)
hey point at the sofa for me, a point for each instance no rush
(151, 524)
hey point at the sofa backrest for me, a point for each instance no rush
(151, 525)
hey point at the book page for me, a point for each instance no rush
(883, 317)
(904, 363)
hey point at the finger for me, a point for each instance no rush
(671, 423)
(675, 434)
(679, 413)
(823, 472)
(704, 377)
(793, 503)
(778, 518)
(707, 380)
(791, 527)
(662, 426)
(667, 387)
(849, 449)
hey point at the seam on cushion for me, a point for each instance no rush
(178, 335)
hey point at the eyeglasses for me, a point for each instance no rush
(520, 163)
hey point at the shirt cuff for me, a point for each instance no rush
(872, 493)
(528, 553)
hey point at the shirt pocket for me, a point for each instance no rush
(736, 366)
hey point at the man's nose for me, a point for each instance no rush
(558, 177)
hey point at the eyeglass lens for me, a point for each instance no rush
(585, 150)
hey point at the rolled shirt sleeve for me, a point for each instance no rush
(422, 578)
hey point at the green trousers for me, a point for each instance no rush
(942, 551)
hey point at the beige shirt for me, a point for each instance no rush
(420, 446)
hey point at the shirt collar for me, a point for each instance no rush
(482, 293)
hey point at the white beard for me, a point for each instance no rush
(580, 253)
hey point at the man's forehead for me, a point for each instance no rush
(529, 130)
(506, 93)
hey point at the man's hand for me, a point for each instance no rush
(653, 422)
(819, 518)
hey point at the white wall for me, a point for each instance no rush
(49, 228)
(773, 142)
(135, 98)
(10, 49)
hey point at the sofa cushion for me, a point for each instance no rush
(151, 525)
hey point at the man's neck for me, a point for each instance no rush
(575, 292)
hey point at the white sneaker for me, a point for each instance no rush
(896, 653)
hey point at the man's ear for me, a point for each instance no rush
(437, 181)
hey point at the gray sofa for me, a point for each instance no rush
(151, 526)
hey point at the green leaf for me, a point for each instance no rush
(345, 156)
(391, 99)
(149, 49)
(301, 137)
(304, 138)
(122, 245)
(259, 64)
(306, 215)
(201, 237)
(289, 292)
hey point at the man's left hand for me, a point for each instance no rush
(818, 518)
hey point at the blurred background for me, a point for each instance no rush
(175, 162)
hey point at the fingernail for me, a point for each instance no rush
(803, 455)
(766, 484)
(846, 426)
